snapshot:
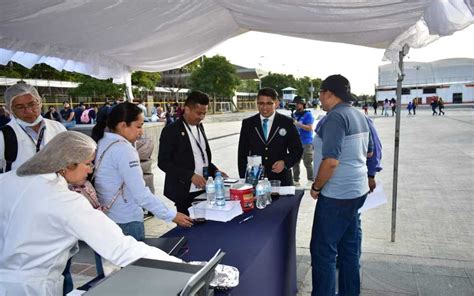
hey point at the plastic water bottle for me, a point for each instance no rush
(220, 194)
(210, 191)
(268, 191)
(260, 194)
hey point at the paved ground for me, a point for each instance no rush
(434, 249)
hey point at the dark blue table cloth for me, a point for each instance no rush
(262, 248)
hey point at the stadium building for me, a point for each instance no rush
(450, 79)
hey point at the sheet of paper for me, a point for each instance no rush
(374, 199)
(286, 190)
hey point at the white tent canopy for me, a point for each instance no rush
(112, 38)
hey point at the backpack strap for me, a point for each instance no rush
(122, 186)
(11, 147)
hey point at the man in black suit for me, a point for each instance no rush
(184, 154)
(272, 136)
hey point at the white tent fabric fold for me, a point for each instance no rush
(112, 38)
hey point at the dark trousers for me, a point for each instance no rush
(182, 206)
(336, 232)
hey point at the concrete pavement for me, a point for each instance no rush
(434, 249)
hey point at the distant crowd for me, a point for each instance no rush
(83, 113)
(391, 106)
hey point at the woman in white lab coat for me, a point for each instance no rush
(118, 177)
(41, 220)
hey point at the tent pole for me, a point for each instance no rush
(401, 75)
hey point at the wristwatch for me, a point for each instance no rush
(315, 189)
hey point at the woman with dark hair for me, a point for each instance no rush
(118, 176)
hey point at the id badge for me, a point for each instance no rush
(205, 172)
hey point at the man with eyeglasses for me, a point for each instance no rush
(272, 136)
(341, 147)
(28, 131)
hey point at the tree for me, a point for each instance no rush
(14, 70)
(176, 79)
(303, 86)
(91, 87)
(248, 85)
(278, 82)
(217, 77)
(146, 80)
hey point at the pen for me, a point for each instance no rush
(246, 219)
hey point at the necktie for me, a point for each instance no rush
(265, 128)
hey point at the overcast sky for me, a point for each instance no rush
(317, 59)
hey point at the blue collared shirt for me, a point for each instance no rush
(374, 163)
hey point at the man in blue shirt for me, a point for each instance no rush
(342, 146)
(304, 123)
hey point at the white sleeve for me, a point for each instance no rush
(132, 174)
(106, 238)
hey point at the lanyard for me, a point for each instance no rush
(198, 143)
(40, 138)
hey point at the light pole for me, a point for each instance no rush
(416, 82)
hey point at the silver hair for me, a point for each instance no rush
(17, 90)
(63, 150)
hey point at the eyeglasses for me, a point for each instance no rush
(265, 104)
(31, 106)
(90, 164)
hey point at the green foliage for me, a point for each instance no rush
(278, 82)
(248, 85)
(91, 87)
(302, 85)
(146, 80)
(366, 98)
(216, 77)
(39, 71)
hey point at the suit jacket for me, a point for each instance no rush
(176, 159)
(283, 144)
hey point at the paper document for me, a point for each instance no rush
(286, 190)
(374, 199)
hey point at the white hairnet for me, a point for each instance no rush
(17, 90)
(66, 148)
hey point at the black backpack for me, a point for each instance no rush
(11, 147)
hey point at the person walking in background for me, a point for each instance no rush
(440, 106)
(386, 106)
(434, 105)
(304, 123)
(393, 106)
(375, 105)
(366, 108)
(341, 185)
(414, 105)
(409, 107)
(271, 135)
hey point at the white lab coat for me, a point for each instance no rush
(40, 221)
(26, 146)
